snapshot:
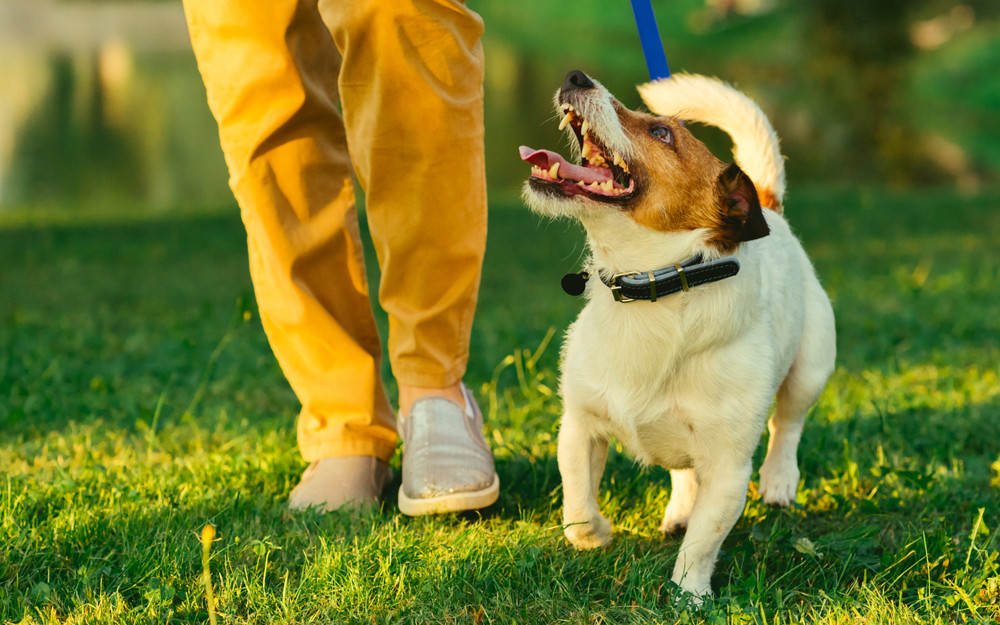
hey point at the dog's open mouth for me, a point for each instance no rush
(599, 174)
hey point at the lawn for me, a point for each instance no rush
(139, 402)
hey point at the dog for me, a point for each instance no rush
(702, 308)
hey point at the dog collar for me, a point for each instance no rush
(630, 286)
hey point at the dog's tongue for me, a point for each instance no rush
(545, 159)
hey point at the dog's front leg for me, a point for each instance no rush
(582, 455)
(722, 492)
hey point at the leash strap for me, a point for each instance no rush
(649, 36)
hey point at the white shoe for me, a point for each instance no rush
(447, 466)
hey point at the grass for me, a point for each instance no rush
(139, 402)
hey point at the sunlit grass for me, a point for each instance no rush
(141, 403)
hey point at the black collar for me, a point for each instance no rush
(652, 285)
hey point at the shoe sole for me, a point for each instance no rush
(452, 502)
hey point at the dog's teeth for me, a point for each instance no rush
(565, 121)
(585, 129)
(586, 149)
(554, 171)
(618, 160)
(607, 185)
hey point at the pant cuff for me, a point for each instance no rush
(312, 452)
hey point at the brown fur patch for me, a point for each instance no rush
(678, 184)
(769, 200)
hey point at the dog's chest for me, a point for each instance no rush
(658, 384)
(668, 421)
(668, 441)
(646, 393)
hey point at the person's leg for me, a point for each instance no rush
(411, 87)
(270, 70)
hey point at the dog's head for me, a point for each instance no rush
(648, 170)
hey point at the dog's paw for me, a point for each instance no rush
(692, 589)
(589, 535)
(695, 597)
(674, 521)
(778, 483)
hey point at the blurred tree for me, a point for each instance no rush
(63, 157)
(859, 54)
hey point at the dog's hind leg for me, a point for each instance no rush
(722, 492)
(683, 490)
(582, 456)
(779, 475)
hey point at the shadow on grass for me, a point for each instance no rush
(868, 521)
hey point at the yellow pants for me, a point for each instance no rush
(408, 75)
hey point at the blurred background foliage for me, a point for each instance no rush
(101, 103)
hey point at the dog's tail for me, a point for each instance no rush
(711, 101)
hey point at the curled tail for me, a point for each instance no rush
(711, 101)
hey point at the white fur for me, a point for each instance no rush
(687, 382)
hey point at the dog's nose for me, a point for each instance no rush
(577, 80)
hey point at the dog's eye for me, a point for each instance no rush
(663, 133)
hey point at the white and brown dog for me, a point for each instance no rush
(704, 308)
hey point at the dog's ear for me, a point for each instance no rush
(742, 217)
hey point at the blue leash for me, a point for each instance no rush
(649, 36)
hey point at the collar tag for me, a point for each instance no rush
(575, 283)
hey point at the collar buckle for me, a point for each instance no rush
(616, 289)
